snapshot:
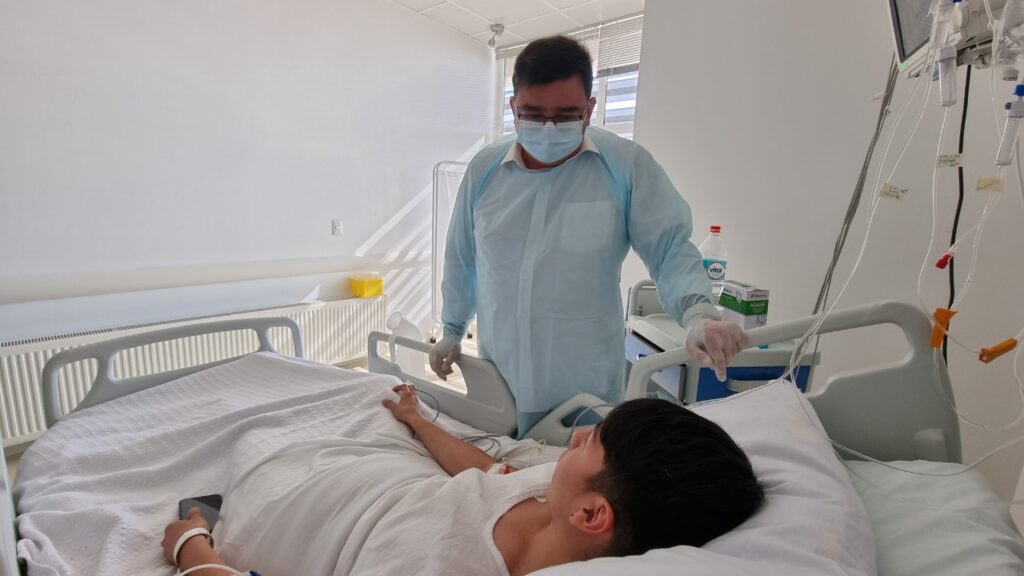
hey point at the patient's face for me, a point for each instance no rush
(584, 458)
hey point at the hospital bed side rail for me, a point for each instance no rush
(897, 411)
(106, 386)
(487, 404)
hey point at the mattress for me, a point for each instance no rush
(946, 525)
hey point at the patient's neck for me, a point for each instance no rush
(530, 538)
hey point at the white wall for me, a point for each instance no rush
(146, 146)
(761, 113)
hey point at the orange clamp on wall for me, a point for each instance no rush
(941, 325)
(987, 355)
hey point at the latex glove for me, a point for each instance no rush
(444, 353)
(715, 343)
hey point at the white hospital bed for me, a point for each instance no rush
(898, 411)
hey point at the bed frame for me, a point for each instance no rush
(898, 411)
(487, 403)
(107, 387)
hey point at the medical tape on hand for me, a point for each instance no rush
(189, 534)
(501, 467)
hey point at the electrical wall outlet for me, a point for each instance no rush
(337, 227)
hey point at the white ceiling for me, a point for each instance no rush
(524, 20)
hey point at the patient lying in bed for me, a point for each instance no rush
(651, 475)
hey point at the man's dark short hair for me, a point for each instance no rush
(551, 59)
(672, 478)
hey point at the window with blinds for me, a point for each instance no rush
(615, 49)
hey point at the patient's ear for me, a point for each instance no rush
(594, 517)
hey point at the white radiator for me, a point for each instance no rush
(332, 332)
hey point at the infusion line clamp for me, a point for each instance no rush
(941, 325)
(987, 355)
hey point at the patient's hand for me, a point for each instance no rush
(451, 452)
(175, 529)
(406, 410)
(196, 551)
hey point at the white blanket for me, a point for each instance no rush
(348, 508)
(95, 492)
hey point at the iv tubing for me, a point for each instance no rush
(875, 200)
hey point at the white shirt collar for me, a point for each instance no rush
(515, 152)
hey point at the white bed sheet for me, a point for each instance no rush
(939, 526)
(121, 467)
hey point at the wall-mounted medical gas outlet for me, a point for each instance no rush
(337, 227)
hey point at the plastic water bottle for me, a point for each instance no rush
(715, 257)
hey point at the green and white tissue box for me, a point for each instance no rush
(744, 304)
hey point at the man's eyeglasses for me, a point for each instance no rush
(556, 119)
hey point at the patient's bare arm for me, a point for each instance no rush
(196, 551)
(451, 453)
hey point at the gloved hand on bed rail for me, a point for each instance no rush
(714, 343)
(444, 353)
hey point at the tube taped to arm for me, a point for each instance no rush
(502, 467)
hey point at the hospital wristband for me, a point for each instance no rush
(186, 536)
(231, 571)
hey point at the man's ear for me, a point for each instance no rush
(594, 517)
(592, 105)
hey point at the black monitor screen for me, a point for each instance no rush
(911, 24)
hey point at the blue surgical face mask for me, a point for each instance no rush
(548, 142)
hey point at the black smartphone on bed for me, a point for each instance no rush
(209, 506)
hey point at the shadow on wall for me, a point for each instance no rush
(406, 243)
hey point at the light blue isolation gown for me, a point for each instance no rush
(537, 256)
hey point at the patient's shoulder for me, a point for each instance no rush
(513, 527)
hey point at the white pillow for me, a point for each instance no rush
(939, 526)
(812, 522)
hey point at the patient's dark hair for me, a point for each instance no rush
(672, 478)
(550, 59)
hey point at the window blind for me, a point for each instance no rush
(618, 47)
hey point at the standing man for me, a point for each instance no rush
(540, 229)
